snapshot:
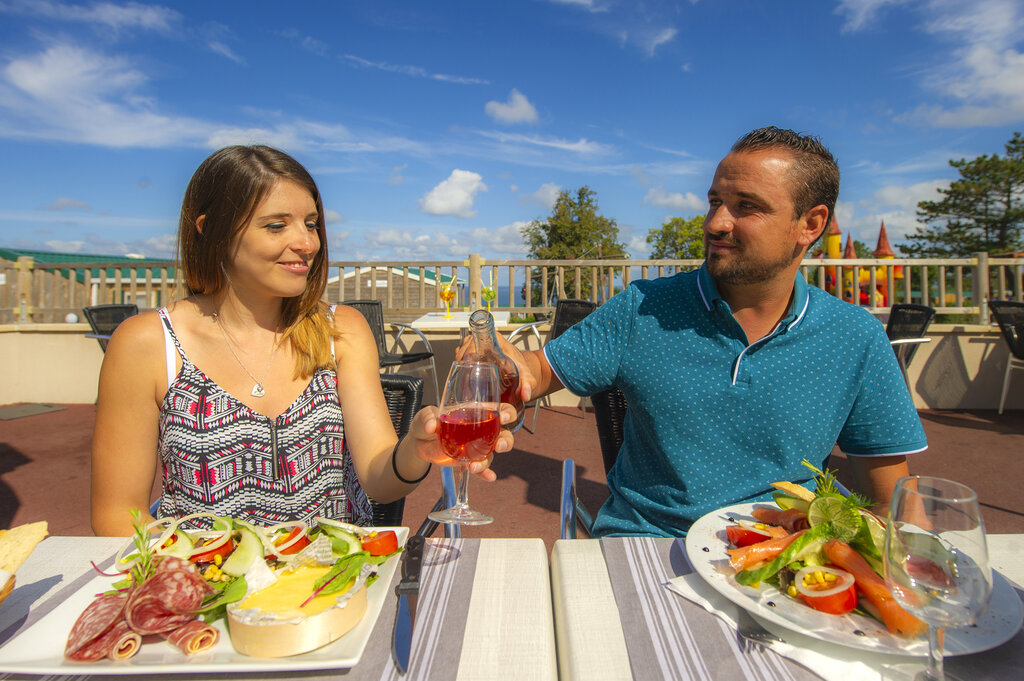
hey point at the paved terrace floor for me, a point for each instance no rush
(44, 470)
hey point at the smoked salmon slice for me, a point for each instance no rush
(761, 552)
(896, 619)
(791, 519)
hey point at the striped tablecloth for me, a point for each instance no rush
(483, 602)
(615, 619)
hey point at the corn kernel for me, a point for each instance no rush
(755, 585)
(218, 559)
(819, 576)
(761, 526)
(792, 591)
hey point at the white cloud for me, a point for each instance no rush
(546, 195)
(103, 14)
(580, 146)
(65, 203)
(506, 240)
(896, 205)
(655, 39)
(980, 73)
(415, 71)
(657, 196)
(455, 195)
(589, 5)
(396, 175)
(518, 109)
(225, 51)
(332, 216)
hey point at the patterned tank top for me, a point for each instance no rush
(221, 457)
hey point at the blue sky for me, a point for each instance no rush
(436, 129)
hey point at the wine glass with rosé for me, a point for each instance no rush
(467, 429)
(447, 293)
(935, 558)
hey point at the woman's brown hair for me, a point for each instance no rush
(226, 188)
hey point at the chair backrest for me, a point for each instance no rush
(907, 320)
(610, 414)
(404, 394)
(374, 313)
(568, 312)
(1010, 317)
(105, 318)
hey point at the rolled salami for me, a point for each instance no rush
(125, 641)
(193, 637)
(92, 637)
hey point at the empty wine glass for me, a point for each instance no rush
(468, 426)
(936, 559)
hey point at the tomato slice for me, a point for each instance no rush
(380, 543)
(299, 544)
(741, 536)
(816, 588)
(224, 550)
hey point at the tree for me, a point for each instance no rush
(981, 211)
(574, 230)
(678, 239)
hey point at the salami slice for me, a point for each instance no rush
(125, 641)
(166, 600)
(193, 637)
(87, 640)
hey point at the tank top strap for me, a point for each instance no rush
(331, 318)
(171, 345)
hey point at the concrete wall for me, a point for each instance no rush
(962, 368)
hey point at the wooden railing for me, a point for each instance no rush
(47, 292)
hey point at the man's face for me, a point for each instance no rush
(750, 232)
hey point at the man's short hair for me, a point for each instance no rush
(815, 172)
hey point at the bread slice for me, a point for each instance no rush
(794, 490)
(18, 543)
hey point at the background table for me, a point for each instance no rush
(614, 619)
(435, 321)
(485, 614)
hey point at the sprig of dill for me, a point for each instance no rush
(144, 567)
(826, 485)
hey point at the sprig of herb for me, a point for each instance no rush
(144, 566)
(826, 485)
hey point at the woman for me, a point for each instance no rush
(258, 400)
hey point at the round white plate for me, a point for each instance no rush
(706, 546)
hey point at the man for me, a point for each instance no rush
(737, 371)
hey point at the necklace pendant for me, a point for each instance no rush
(257, 390)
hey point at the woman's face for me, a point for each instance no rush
(273, 251)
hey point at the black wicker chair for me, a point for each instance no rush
(403, 395)
(567, 313)
(374, 313)
(906, 328)
(1010, 317)
(105, 318)
(610, 414)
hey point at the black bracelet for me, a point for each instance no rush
(394, 467)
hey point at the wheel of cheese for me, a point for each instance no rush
(273, 629)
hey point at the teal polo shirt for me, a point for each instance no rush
(712, 420)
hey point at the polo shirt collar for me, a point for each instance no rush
(713, 299)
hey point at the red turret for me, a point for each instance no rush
(850, 253)
(883, 249)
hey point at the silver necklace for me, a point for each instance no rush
(257, 388)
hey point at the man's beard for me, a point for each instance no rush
(744, 270)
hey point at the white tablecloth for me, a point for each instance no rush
(496, 594)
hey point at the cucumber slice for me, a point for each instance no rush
(342, 543)
(249, 549)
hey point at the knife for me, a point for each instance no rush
(408, 591)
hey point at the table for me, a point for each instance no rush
(435, 321)
(614, 619)
(485, 614)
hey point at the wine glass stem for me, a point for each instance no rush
(461, 473)
(934, 671)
